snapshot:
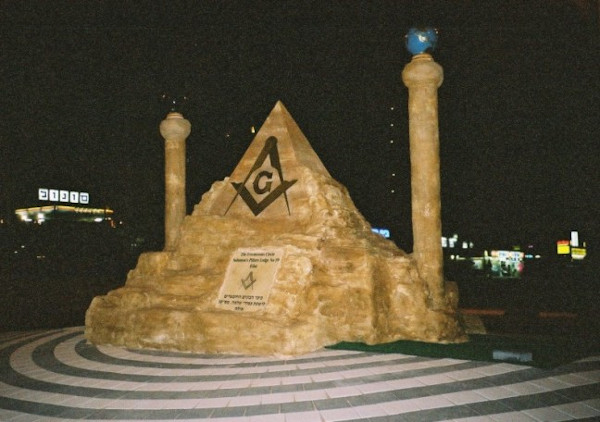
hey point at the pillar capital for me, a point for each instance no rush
(423, 70)
(175, 126)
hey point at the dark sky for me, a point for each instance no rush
(519, 106)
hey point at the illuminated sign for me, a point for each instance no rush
(508, 255)
(506, 263)
(578, 253)
(574, 238)
(563, 247)
(60, 195)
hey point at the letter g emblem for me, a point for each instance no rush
(260, 188)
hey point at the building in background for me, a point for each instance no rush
(64, 205)
(62, 233)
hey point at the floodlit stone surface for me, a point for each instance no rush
(274, 260)
(175, 129)
(423, 76)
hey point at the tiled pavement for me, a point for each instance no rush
(56, 376)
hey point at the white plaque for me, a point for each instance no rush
(249, 279)
(53, 194)
(63, 196)
(43, 194)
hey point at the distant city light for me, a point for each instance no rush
(574, 238)
(578, 253)
(39, 215)
(383, 232)
(451, 242)
(563, 247)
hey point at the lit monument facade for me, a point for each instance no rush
(276, 260)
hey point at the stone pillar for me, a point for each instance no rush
(174, 129)
(423, 76)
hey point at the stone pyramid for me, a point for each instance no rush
(274, 260)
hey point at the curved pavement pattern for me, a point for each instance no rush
(56, 376)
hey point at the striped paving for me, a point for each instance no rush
(56, 376)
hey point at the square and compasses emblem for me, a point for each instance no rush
(264, 182)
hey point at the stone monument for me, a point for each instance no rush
(277, 260)
(274, 260)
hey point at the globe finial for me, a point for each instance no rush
(421, 40)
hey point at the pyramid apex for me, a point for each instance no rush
(280, 151)
(279, 107)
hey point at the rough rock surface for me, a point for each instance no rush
(336, 279)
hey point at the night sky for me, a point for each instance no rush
(519, 106)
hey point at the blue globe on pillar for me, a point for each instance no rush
(421, 40)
